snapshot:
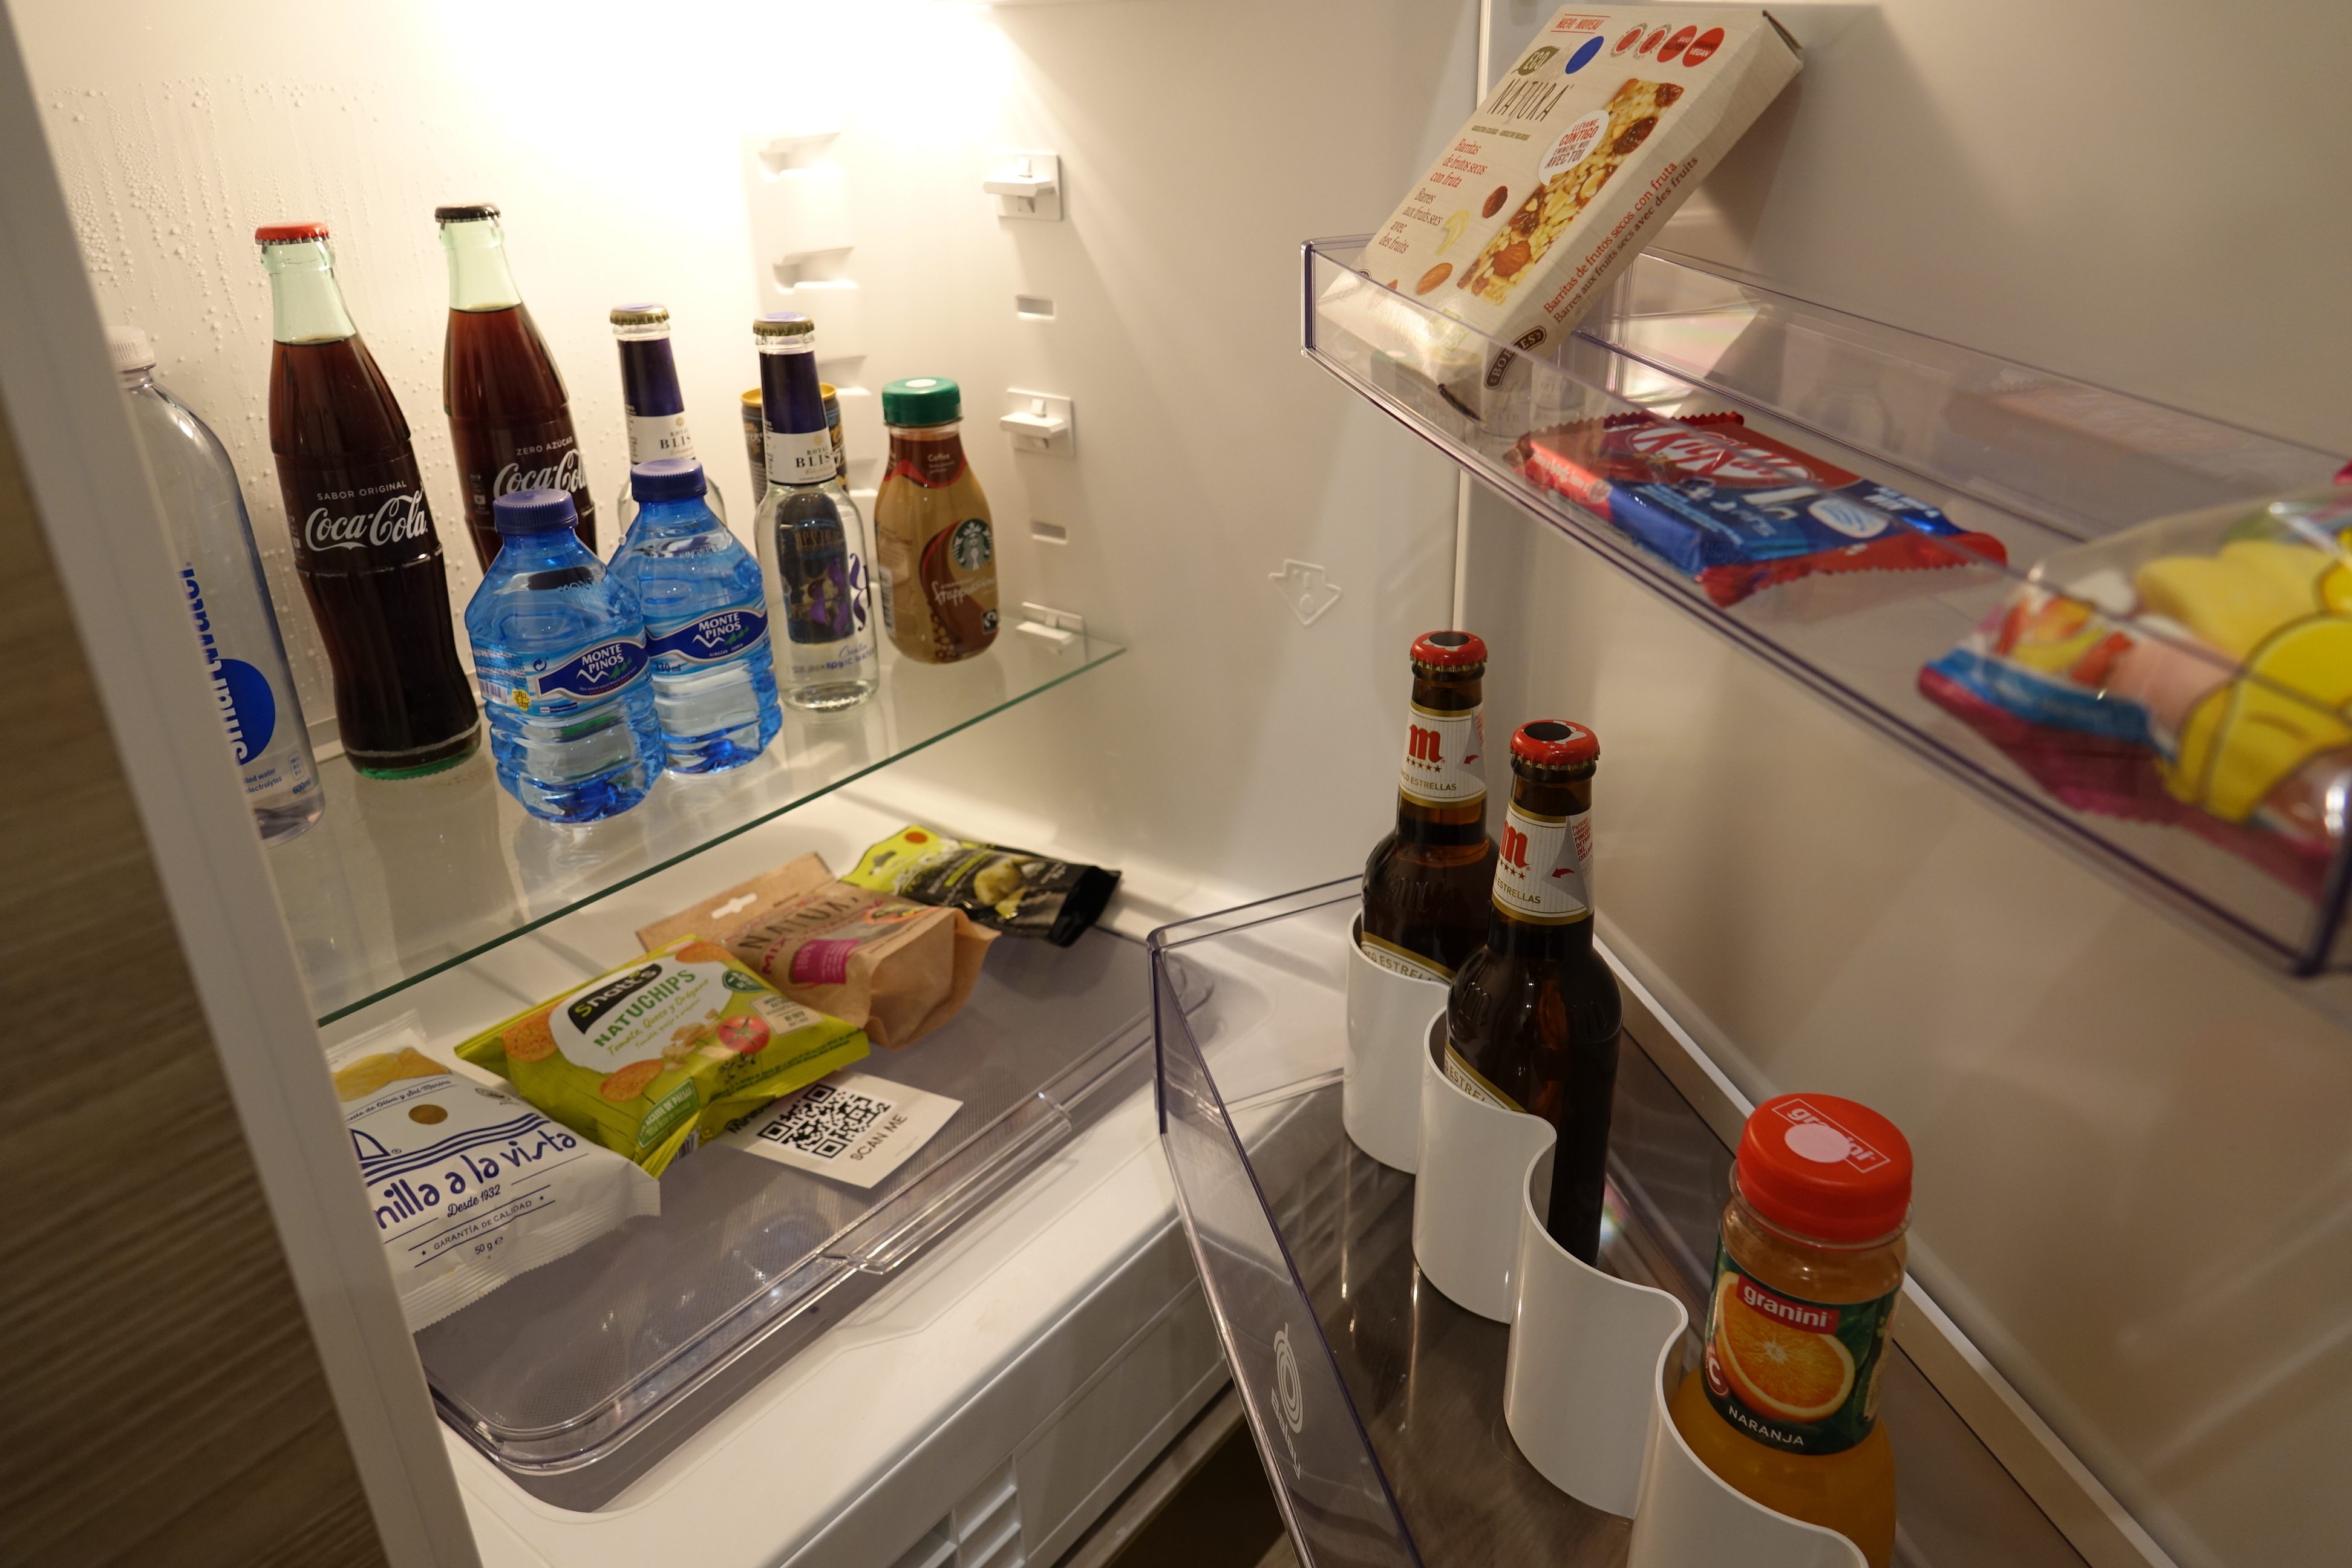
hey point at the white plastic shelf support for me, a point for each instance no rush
(1027, 184)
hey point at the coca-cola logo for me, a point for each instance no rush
(396, 520)
(563, 475)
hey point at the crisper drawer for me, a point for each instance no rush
(1378, 1403)
(576, 1377)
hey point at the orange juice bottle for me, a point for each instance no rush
(1808, 1264)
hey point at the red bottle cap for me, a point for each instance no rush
(1448, 650)
(271, 233)
(1556, 743)
(1825, 1167)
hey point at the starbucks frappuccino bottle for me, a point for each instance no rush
(934, 546)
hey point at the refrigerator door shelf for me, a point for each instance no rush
(405, 880)
(1378, 1403)
(2036, 461)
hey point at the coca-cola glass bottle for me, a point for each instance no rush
(509, 416)
(364, 546)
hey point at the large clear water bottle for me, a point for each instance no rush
(560, 648)
(705, 622)
(221, 581)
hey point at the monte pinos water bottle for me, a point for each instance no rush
(706, 631)
(220, 577)
(559, 647)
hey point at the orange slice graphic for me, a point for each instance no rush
(1775, 1369)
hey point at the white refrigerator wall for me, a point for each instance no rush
(2133, 1177)
(2135, 1190)
(1198, 143)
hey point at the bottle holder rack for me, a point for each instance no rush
(1377, 1323)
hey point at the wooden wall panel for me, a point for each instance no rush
(165, 1401)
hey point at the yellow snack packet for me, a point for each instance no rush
(648, 1058)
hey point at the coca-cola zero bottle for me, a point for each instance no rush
(509, 418)
(364, 545)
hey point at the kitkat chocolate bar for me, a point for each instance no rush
(1735, 510)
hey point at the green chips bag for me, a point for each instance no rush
(664, 1050)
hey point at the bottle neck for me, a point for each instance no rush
(649, 377)
(540, 552)
(479, 279)
(137, 380)
(305, 305)
(1514, 938)
(1421, 821)
(790, 402)
(675, 518)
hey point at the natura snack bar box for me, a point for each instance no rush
(1599, 131)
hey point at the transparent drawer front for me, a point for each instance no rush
(1670, 382)
(575, 1376)
(1378, 1403)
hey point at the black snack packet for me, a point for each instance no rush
(1010, 890)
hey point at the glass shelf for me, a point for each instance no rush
(402, 879)
(2038, 462)
(1377, 1403)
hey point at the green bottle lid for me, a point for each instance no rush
(921, 400)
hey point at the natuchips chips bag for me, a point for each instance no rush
(469, 1186)
(664, 1051)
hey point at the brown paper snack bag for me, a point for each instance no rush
(894, 968)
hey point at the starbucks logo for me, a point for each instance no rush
(972, 548)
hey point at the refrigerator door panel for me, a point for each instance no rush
(2131, 1194)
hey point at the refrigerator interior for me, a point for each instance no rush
(2133, 1190)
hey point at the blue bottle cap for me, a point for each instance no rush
(666, 479)
(534, 511)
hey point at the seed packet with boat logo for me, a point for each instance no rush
(469, 1186)
(661, 1052)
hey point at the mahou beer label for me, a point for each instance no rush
(1540, 867)
(1444, 757)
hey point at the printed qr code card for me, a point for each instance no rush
(852, 1128)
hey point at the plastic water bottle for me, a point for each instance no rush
(221, 581)
(705, 622)
(560, 648)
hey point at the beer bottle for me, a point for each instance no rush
(1425, 884)
(1531, 1022)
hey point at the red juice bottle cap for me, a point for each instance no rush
(1820, 1166)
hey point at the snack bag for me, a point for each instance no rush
(1009, 890)
(664, 1051)
(470, 1186)
(2207, 688)
(894, 968)
(1735, 510)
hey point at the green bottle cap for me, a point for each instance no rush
(923, 400)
